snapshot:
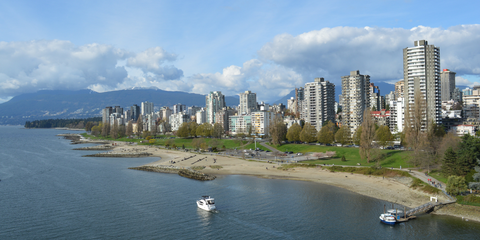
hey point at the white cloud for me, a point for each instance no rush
(35, 65)
(460, 81)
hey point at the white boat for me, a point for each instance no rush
(206, 203)
(390, 217)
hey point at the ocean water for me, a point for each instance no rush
(48, 191)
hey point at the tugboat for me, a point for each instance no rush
(206, 203)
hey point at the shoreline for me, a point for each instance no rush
(395, 190)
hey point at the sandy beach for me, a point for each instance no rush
(394, 190)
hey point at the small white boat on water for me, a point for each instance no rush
(206, 203)
(390, 217)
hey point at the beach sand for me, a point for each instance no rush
(395, 190)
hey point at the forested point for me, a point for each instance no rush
(66, 123)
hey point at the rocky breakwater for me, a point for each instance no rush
(184, 172)
(120, 154)
(93, 148)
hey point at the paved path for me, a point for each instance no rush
(425, 178)
(269, 147)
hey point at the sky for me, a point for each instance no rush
(268, 47)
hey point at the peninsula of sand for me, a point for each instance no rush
(392, 189)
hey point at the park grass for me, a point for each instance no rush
(471, 200)
(421, 185)
(394, 158)
(438, 175)
(370, 171)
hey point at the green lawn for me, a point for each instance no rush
(394, 158)
(438, 175)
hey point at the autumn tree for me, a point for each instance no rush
(341, 136)
(197, 142)
(326, 133)
(367, 136)
(277, 130)
(308, 133)
(383, 136)
(293, 133)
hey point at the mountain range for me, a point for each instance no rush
(53, 104)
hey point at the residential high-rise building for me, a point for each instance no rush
(421, 71)
(215, 101)
(146, 108)
(134, 112)
(106, 114)
(399, 89)
(299, 97)
(447, 78)
(375, 99)
(177, 108)
(390, 97)
(356, 98)
(457, 95)
(248, 102)
(320, 102)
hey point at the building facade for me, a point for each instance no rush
(447, 79)
(356, 98)
(421, 70)
(248, 102)
(146, 108)
(215, 101)
(319, 102)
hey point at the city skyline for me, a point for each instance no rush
(229, 47)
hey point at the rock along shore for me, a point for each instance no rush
(123, 155)
(184, 172)
(100, 147)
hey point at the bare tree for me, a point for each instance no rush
(114, 130)
(139, 125)
(367, 136)
(105, 129)
(129, 130)
(414, 137)
(278, 130)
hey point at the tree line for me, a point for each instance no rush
(63, 123)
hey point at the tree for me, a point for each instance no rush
(467, 154)
(308, 133)
(169, 142)
(139, 124)
(114, 130)
(193, 128)
(97, 130)
(204, 130)
(105, 129)
(415, 139)
(326, 133)
(183, 131)
(217, 130)
(146, 134)
(456, 185)
(88, 126)
(367, 136)
(277, 130)
(121, 131)
(344, 159)
(214, 143)
(432, 145)
(476, 177)
(342, 135)
(383, 136)
(449, 162)
(293, 133)
(357, 137)
(197, 142)
(129, 130)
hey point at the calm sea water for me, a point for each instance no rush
(48, 191)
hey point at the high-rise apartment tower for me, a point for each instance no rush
(319, 102)
(421, 71)
(447, 78)
(356, 98)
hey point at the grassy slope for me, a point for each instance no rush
(395, 158)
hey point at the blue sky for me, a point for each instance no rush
(268, 47)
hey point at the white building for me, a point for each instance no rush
(461, 130)
(146, 108)
(201, 116)
(261, 122)
(356, 98)
(319, 102)
(177, 119)
(248, 102)
(397, 115)
(240, 124)
(214, 101)
(421, 70)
